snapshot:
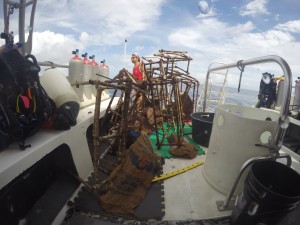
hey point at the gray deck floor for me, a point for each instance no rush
(188, 196)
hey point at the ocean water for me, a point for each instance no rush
(244, 97)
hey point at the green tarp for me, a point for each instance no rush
(164, 150)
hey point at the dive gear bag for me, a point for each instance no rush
(24, 104)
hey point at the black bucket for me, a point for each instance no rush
(201, 127)
(271, 191)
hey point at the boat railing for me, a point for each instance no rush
(282, 124)
(283, 119)
(8, 9)
(215, 90)
(52, 64)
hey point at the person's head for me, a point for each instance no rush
(135, 57)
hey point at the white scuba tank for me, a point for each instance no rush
(61, 92)
(297, 95)
(95, 71)
(104, 71)
(279, 96)
(76, 73)
(87, 75)
(57, 87)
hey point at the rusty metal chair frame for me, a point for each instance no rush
(166, 81)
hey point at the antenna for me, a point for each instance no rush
(125, 52)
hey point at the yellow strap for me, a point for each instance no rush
(34, 104)
(18, 108)
(279, 78)
(17, 104)
(176, 172)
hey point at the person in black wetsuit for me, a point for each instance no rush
(267, 91)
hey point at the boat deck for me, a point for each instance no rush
(188, 198)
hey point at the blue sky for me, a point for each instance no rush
(216, 30)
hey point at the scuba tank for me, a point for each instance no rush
(103, 71)
(280, 87)
(75, 73)
(66, 100)
(297, 95)
(94, 72)
(87, 73)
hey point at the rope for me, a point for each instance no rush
(241, 68)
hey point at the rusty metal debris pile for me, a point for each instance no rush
(171, 90)
(164, 100)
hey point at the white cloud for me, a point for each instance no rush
(105, 21)
(212, 40)
(139, 48)
(48, 46)
(254, 8)
(84, 38)
(267, 40)
(208, 32)
(290, 26)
